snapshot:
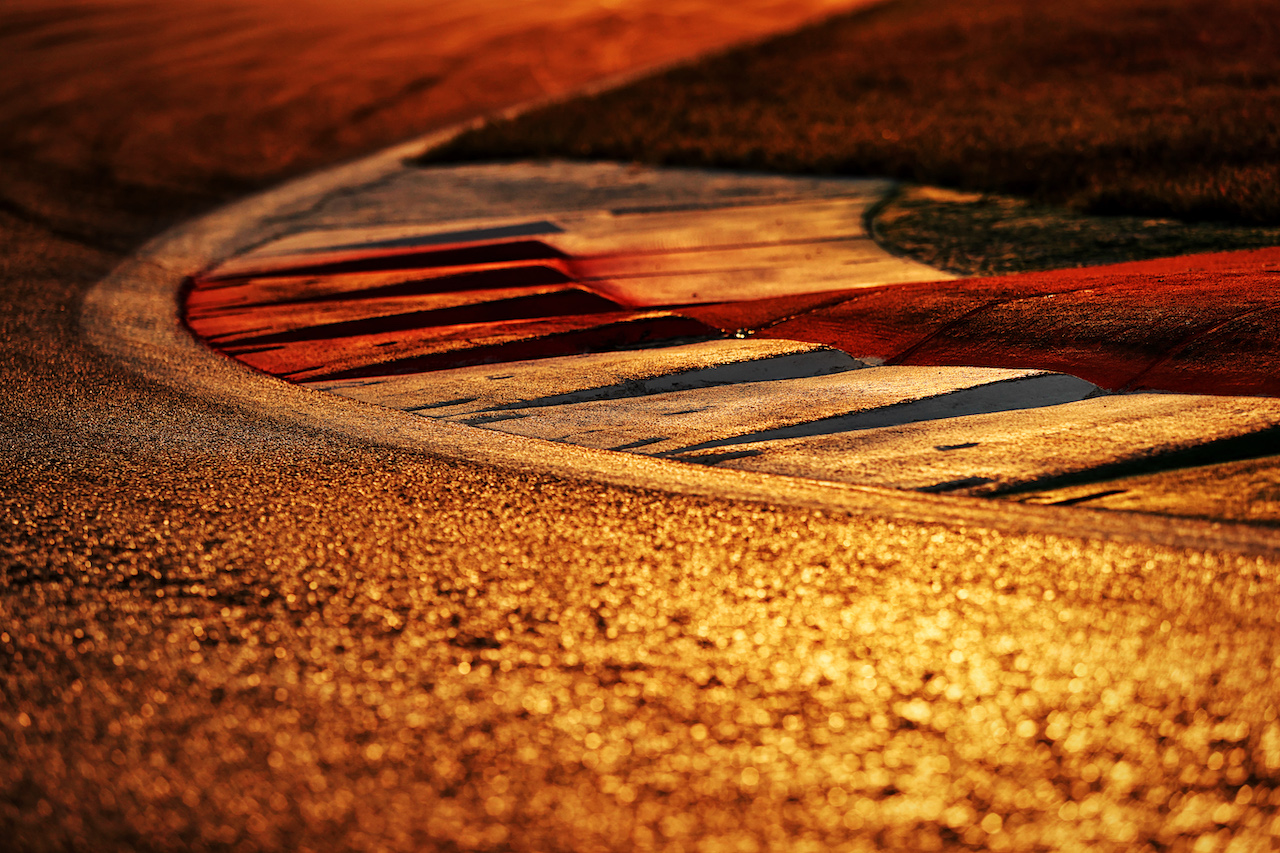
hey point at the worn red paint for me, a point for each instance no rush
(1197, 324)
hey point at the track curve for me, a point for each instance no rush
(233, 620)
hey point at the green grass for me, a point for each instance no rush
(1151, 108)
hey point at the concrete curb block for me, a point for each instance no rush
(133, 315)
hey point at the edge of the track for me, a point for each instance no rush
(133, 315)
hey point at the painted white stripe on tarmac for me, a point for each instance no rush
(735, 221)
(986, 453)
(646, 236)
(578, 378)
(729, 415)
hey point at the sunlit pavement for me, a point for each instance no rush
(626, 308)
(242, 614)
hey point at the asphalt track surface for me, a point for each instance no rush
(222, 629)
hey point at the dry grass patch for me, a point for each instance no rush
(989, 234)
(1155, 108)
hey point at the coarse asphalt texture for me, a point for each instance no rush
(227, 630)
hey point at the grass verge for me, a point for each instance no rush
(987, 234)
(1149, 108)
